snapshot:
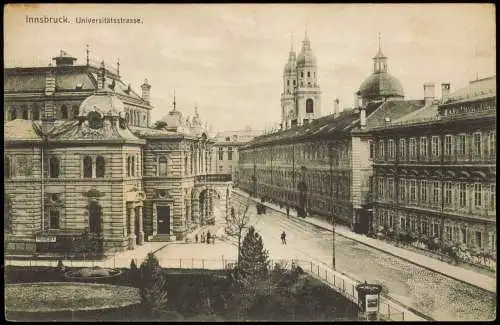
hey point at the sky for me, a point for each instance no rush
(228, 59)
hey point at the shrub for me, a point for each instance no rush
(60, 264)
(133, 265)
(153, 285)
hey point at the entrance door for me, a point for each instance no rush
(163, 217)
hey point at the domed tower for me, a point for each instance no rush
(380, 85)
(308, 94)
(288, 108)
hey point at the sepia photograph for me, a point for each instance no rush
(250, 162)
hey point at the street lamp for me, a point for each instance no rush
(330, 147)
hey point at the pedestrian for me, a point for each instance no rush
(208, 237)
(196, 238)
(287, 211)
(283, 238)
(202, 237)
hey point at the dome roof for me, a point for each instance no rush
(103, 102)
(289, 67)
(306, 58)
(173, 119)
(381, 84)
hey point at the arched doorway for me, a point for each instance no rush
(95, 220)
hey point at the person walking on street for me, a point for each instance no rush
(283, 238)
(287, 211)
(208, 237)
(202, 237)
(196, 238)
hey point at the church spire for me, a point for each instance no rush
(174, 100)
(380, 60)
(291, 43)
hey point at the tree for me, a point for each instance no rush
(253, 256)
(153, 285)
(159, 125)
(236, 223)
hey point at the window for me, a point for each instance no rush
(462, 188)
(54, 219)
(220, 167)
(423, 147)
(53, 167)
(479, 239)
(294, 82)
(449, 233)
(404, 224)
(230, 153)
(461, 149)
(64, 112)
(424, 227)
(132, 166)
(309, 106)
(423, 191)
(493, 196)
(302, 74)
(492, 144)
(493, 241)
(435, 147)
(371, 149)
(390, 188)
(413, 149)
(87, 167)
(402, 148)
(413, 224)
(380, 188)
(477, 144)
(447, 193)
(185, 165)
(13, 114)
(25, 113)
(447, 145)
(228, 139)
(308, 74)
(6, 167)
(477, 194)
(162, 166)
(413, 190)
(36, 113)
(392, 148)
(435, 192)
(221, 153)
(463, 233)
(381, 149)
(435, 229)
(76, 111)
(402, 194)
(288, 82)
(100, 166)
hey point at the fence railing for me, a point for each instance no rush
(336, 280)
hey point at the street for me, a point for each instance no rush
(408, 283)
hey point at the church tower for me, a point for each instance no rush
(288, 107)
(301, 97)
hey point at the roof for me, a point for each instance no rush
(381, 84)
(20, 130)
(27, 83)
(394, 110)
(476, 89)
(104, 102)
(326, 126)
(143, 132)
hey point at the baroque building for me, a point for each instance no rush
(324, 166)
(301, 97)
(80, 155)
(435, 169)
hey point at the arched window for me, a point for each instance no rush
(54, 218)
(64, 112)
(308, 74)
(53, 167)
(309, 106)
(185, 165)
(87, 167)
(129, 163)
(95, 218)
(132, 167)
(162, 166)
(6, 167)
(100, 166)
(25, 112)
(76, 111)
(36, 113)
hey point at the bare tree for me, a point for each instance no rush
(236, 223)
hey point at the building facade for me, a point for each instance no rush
(435, 169)
(80, 156)
(226, 148)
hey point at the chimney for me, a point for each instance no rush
(336, 108)
(357, 99)
(429, 93)
(362, 117)
(146, 87)
(445, 92)
(50, 83)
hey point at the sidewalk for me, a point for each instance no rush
(473, 278)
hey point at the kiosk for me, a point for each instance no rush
(368, 301)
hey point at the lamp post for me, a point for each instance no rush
(330, 147)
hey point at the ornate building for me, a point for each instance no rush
(79, 155)
(301, 97)
(435, 169)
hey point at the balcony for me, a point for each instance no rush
(213, 178)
